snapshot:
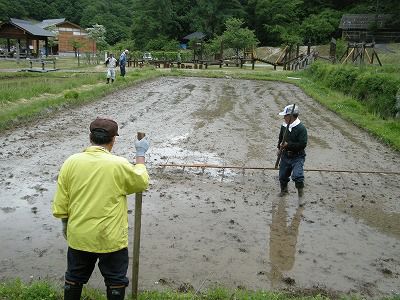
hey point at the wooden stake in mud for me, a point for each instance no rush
(136, 237)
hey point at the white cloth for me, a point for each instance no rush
(294, 124)
(112, 63)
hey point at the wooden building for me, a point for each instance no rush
(53, 36)
(66, 34)
(24, 34)
(368, 28)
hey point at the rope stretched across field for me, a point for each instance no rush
(211, 166)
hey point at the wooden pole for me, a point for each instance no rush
(136, 237)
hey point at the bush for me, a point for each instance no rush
(376, 88)
(342, 78)
(378, 91)
(71, 95)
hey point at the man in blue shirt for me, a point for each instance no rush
(122, 62)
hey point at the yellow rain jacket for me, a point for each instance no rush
(91, 192)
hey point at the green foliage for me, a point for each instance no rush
(151, 22)
(98, 33)
(377, 90)
(318, 28)
(209, 16)
(71, 95)
(38, 290)
(277, 21)
(162, 43)
(39, 94)
(237, 37)
(341, 46)
(125, 44)
(213, 46)
(274, 22)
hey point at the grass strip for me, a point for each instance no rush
(16, 289)
(76, 90)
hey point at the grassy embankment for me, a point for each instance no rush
(45, 290)
(25, 96)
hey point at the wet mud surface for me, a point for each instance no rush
(201, 228)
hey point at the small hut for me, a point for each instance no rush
(198, 37)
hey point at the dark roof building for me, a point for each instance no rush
(50, 22)
(16, 28)
(194, 36)
(368, 28)
(25, 31)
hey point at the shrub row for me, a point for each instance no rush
(378, 90)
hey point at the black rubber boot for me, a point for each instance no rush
(108, 80)
(299, 185)
(72, 291)
(112, 80)
(115, 293)
(284, 189)
(300, 192)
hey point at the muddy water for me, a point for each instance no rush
(213, 227)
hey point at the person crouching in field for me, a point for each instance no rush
(111, 63)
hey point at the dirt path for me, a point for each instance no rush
(209, 228)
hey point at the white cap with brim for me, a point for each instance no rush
(288, 110)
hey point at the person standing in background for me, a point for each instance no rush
(111, 63)
(122, 62)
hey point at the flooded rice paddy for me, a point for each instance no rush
(202, 228)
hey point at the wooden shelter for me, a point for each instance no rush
(34, 36)
(26, 31)
(198, 37)
(67, 32)
(368, 28)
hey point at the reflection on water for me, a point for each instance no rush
(171, 152)
(283, 240)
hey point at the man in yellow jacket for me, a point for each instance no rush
(91, 201)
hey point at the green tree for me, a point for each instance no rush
(11, 9)
(320, 27)
(162, 43)
(237, 37)
(153, 19)
(97, 33)
(277, 21)
(214, 47)
(209, 15)
(76, 45)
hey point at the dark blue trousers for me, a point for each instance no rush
(292, 167)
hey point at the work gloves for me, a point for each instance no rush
(64, 223)
(142, 146)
